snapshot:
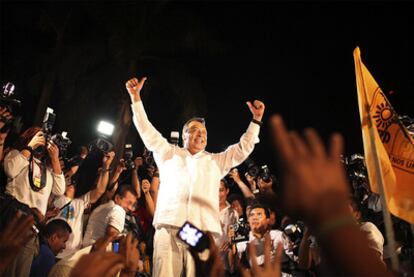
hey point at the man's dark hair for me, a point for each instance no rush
(237, 197)
(198, 119)
(225, 183)
(122, 191)
(260, 206)
(56, 226)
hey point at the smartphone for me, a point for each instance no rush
(193, 237)
(115, 246)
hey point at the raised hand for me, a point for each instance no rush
(4, 116)
(121, 166)
(13, 238)
(138, 162)
(97, 264)
(213, 266)
(134, 87)
(310, 172)
(53, 151)
(257, 109)
(146, 185)
(37, 140)
(128, 249)
(234, 174)
(107, 159)
(270, 268)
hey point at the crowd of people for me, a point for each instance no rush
(304, 223)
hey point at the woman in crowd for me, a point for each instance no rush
(33, 173)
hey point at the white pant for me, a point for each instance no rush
(171, 257)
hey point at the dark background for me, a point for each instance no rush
(206, 59)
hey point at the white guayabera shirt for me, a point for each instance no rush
(189, 184)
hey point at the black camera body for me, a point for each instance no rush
(148, 158)
(358, 176)
(255, 171)
(295, 232)
(128, 155)
(241, 229)
(7, 101)
(61, 140)
(101, 144)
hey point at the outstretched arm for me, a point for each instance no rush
(237, 153)
(152, 139)
(103, 178)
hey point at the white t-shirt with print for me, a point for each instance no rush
(73, 215)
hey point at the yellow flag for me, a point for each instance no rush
(394, 146)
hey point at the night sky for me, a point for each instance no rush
(207, 59)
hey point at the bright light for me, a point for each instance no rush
(105, 128)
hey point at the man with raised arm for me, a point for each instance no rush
(189, 181)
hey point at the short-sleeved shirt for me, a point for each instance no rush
(72, 212)
(108, 214)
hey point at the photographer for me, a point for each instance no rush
(4, 116)
(71, 209)
(33, 173)
(259, 224)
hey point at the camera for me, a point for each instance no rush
(61, 140)
(252, 169)
(241, 229)
(193, 237)
(174, 137)
(11, 104)
(101, 144)
(294, 232)
(265, 173)
(148, 158)
(358, 176)
(128, 154)
(255, 171)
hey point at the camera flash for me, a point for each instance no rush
(105, 128)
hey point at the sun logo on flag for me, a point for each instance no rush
(383, 116)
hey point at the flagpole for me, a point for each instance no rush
(389, 230)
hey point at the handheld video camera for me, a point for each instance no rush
(193, 237)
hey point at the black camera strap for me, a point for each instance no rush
(38, 186)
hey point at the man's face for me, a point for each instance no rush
(127, 202)
(70, 191)
(257, 220)
(57, 242)
(237, 207)
(195, 137)
(223, 192)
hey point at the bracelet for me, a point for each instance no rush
(257, 122)
(335, 223)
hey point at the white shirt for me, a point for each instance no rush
(108, 214)
(276, 237)
(375, 238)
(73, 215)
(189, 184)
(16, 167)
(228, 216)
